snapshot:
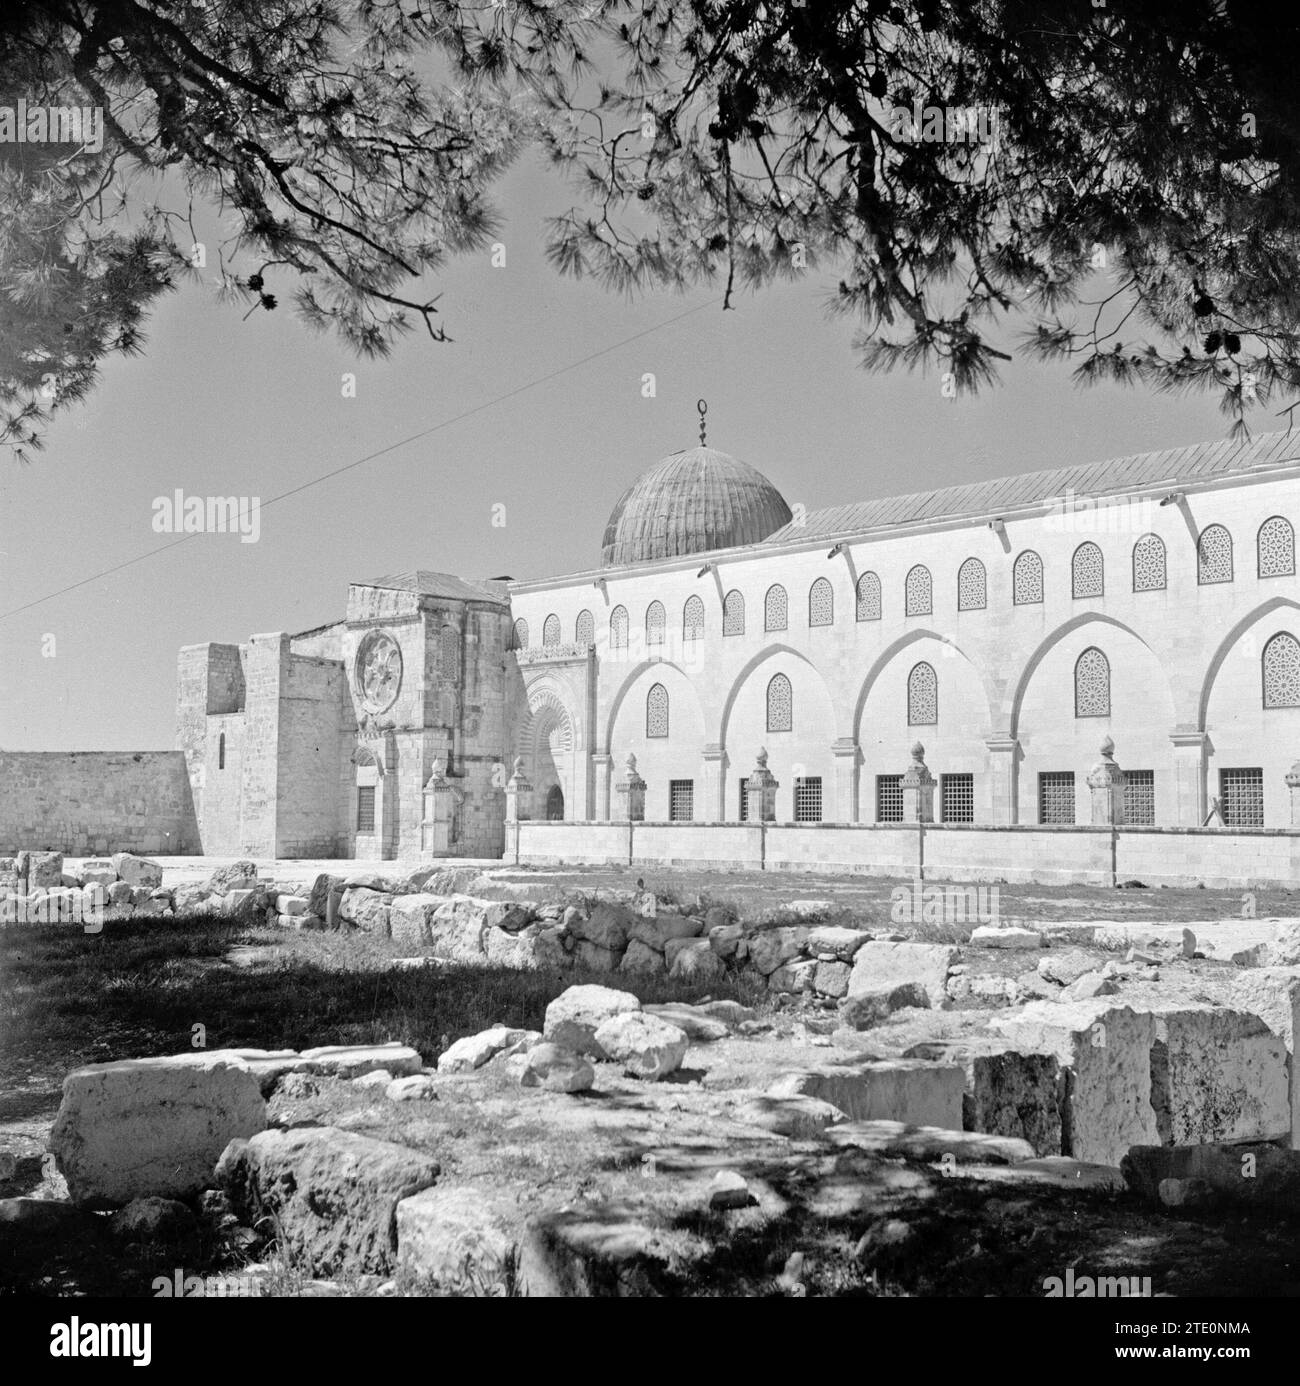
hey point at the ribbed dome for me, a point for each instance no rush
(692, 502)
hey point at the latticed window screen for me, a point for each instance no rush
(956, 798)
(733, 614)
(1088, 572)
(693, 619)
(449, 654)
(869, 597)
(1241, 796)
(521, 634)
(1056, 796)
(889, 798)
(1092, 684)
(821, 603)
(584, 629)
(1149, 564)
(365, 808)
(918, 591)
(776, 608)
(972, 586)
(922, 696)
(656, 711)
(1140, 797)
(780, 704)
(1276, 545)
(1027, 579)
(655, 621)
(618, 628)
(1214, 556)
(1282, 671)
(808, 799)
(681, 800)
(744, 798)
(551, 630)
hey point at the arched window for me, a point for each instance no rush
(972, 586)
(1214, 556)
(693, 619)
(550, 631)
(449, 653)
(1092, 684)
(1149, 564)
(918, 591)
(1282, 671)
(656, 711)
(780, 704)
(869, 597)
(618, 628)
(821, 603)
(1027, 579)
(1276, 545)
(584, 629)
(733, 613)
(776, 608)
(1088, 572)
(521, 634)
(555, 804)
(922, 696)
(656, 620)
(221, 751)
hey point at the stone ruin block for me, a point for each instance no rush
(925, 963)
(1273, 994)
(907, 1090)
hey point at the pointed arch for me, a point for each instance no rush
(1027, 579)
(1149, 574)
(693, 619)
(1280, 671)
(550, 631)
(656, 711)
(656, 622)
(780, 704)
(1275, 548)
(1213, 556)
(821, 603)
(618, 628)
(972, 586)
(868, 597)
(776, 608)
(733, 613)
(521, 634)
(922, 695)
(1092, 684)
(584, 628)
(1087, 572)
(918, 591)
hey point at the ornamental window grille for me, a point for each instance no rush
(918, 591)
(449, 654)
(744, 798)
(1214, 556)
(1088, 572)
(584, 629)
(693, 619)
(1281, 662)
(1056, 796)
(821, 603)
(1241, 796)
(780, 704)
(972, 586)
(655, 622)
(1140, 797)
(681, 801)
(365, 808)
(733, 613)
(1092, 684)
(1027, 579)
(869, 597)
(776, 608)
(550, 631)
(618, 628)
(656, 711)
(957, 798)
(1276, 546)
(521, 634)
(1149, 564)
(889, 798)
(808, 799)
(922, 696)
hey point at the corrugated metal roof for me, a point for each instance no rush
(1094, 479)
(429, 584)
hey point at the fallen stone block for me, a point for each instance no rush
(832, 979)
(352, 1060)
(834, 938)
(897, 1140)
(907, 1090)
(290, 904)
(698, 1026)
(472, 1052)
(640, 957)
(800, 1118)
(646, 1045)
(1106, 1107)
(605, 1251)
(926, 964)
(270, 1065)
(573, 1018)
(45, 869)
(1055, 1171)
(695, 961)
(1273, 994)
(556, 1069)
(994, 936)
(152, 1126)
(155, 1222)
(368, 910)
(1261, 1175)
(725, 939)
(729, 1191)
(873, 1005)
(769, 948)
(1066, 965)
(660, 930)
(416, 1087)
(461, 1239)
(137, 871)
(331, 1194)
(795, 977)
(1089, 986)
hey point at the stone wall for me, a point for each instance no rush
(88, 802)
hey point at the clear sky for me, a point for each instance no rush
(221, 407)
